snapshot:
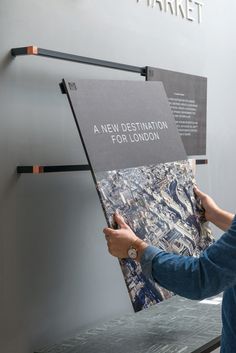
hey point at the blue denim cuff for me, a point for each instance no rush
(146, 260)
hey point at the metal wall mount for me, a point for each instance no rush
(35, 51)
(40, 169)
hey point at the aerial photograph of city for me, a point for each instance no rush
(159, 205)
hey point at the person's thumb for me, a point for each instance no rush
(120, 220)
(199, 193)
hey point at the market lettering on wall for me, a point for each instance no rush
(191, 10)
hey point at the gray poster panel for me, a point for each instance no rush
(124, 124)
(187, 96)
(128, 131)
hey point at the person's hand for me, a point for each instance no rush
(119, 240)
(211, 208)
(213, 212)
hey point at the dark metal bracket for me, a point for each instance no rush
(39, 169)
(33, 50)
(201, 161)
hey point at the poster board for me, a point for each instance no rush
(140, 169)
(187, 95)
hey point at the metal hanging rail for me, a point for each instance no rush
(33, 50)
(39, 169)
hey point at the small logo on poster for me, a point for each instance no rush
(72, 86)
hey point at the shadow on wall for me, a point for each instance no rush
(7, 188)
(5, 62)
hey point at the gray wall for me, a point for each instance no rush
(55, 273)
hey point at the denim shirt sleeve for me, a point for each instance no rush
(191, 277)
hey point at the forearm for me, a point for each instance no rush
(222, 219)
(194, 278)
(182, 275)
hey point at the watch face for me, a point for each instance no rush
(132, 253)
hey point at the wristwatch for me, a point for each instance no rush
(134, 249)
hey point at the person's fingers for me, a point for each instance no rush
(109, 232)
(109, 249)
(199, 193)
(120, 220)
(107, 237)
